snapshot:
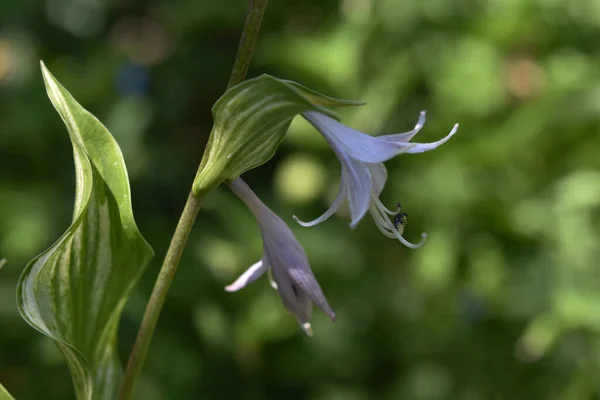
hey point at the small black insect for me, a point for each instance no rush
(400, 218)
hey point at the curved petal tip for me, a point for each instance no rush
(232, 288)
(249, 276)
(332, 316)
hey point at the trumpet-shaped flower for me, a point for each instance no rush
(284, 257)
(363, 173)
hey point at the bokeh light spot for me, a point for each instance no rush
(300, 178)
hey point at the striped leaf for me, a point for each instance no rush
(4, 395)
(74, 292)
(250, 121)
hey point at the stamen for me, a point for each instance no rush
(381, 213)
(381, 206)
(400, 220)
(387, 210)
(388, 228)
(380, 223)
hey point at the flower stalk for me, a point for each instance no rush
(190, 212)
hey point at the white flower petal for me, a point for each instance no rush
(285, 287)
(335, 206)
(249, 276)
(359, 190)
(422, 147)
(358, 179)
(295, 299)
(379, 175)
(407, 136)
(296, 282)
(359, 145)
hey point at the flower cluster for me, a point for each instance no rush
(363, 177)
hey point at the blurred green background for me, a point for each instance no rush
(502, 303)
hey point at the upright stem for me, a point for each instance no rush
(158, 296)
(256, 10)
(186, 221)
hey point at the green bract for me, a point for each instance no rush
(74, 291)
(250, 121)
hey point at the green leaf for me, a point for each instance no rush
(74, 292)
(250, 121)
(4, 395)
(2, 262)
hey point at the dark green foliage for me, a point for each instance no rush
(503, 301)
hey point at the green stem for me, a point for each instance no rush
(256, 9)
(159, 293)
(186, 221)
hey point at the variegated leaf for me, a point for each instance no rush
(74, 292)
(4, 395)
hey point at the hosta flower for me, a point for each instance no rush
(284, 257)
(363, 174)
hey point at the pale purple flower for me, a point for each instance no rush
(284, 257)
(363, 173)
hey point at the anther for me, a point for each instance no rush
(400, 218)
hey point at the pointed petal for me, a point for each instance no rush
(407, 136)
(296, 282)
(359, 190)
(379, 176)
(359, 145)
(294, 298)
(422, 147)
(337, 203)
(303, 278)
(308, 283)
(358, 179)
(249, 276)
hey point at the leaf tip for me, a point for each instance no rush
(46, 72)
(43, 67)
